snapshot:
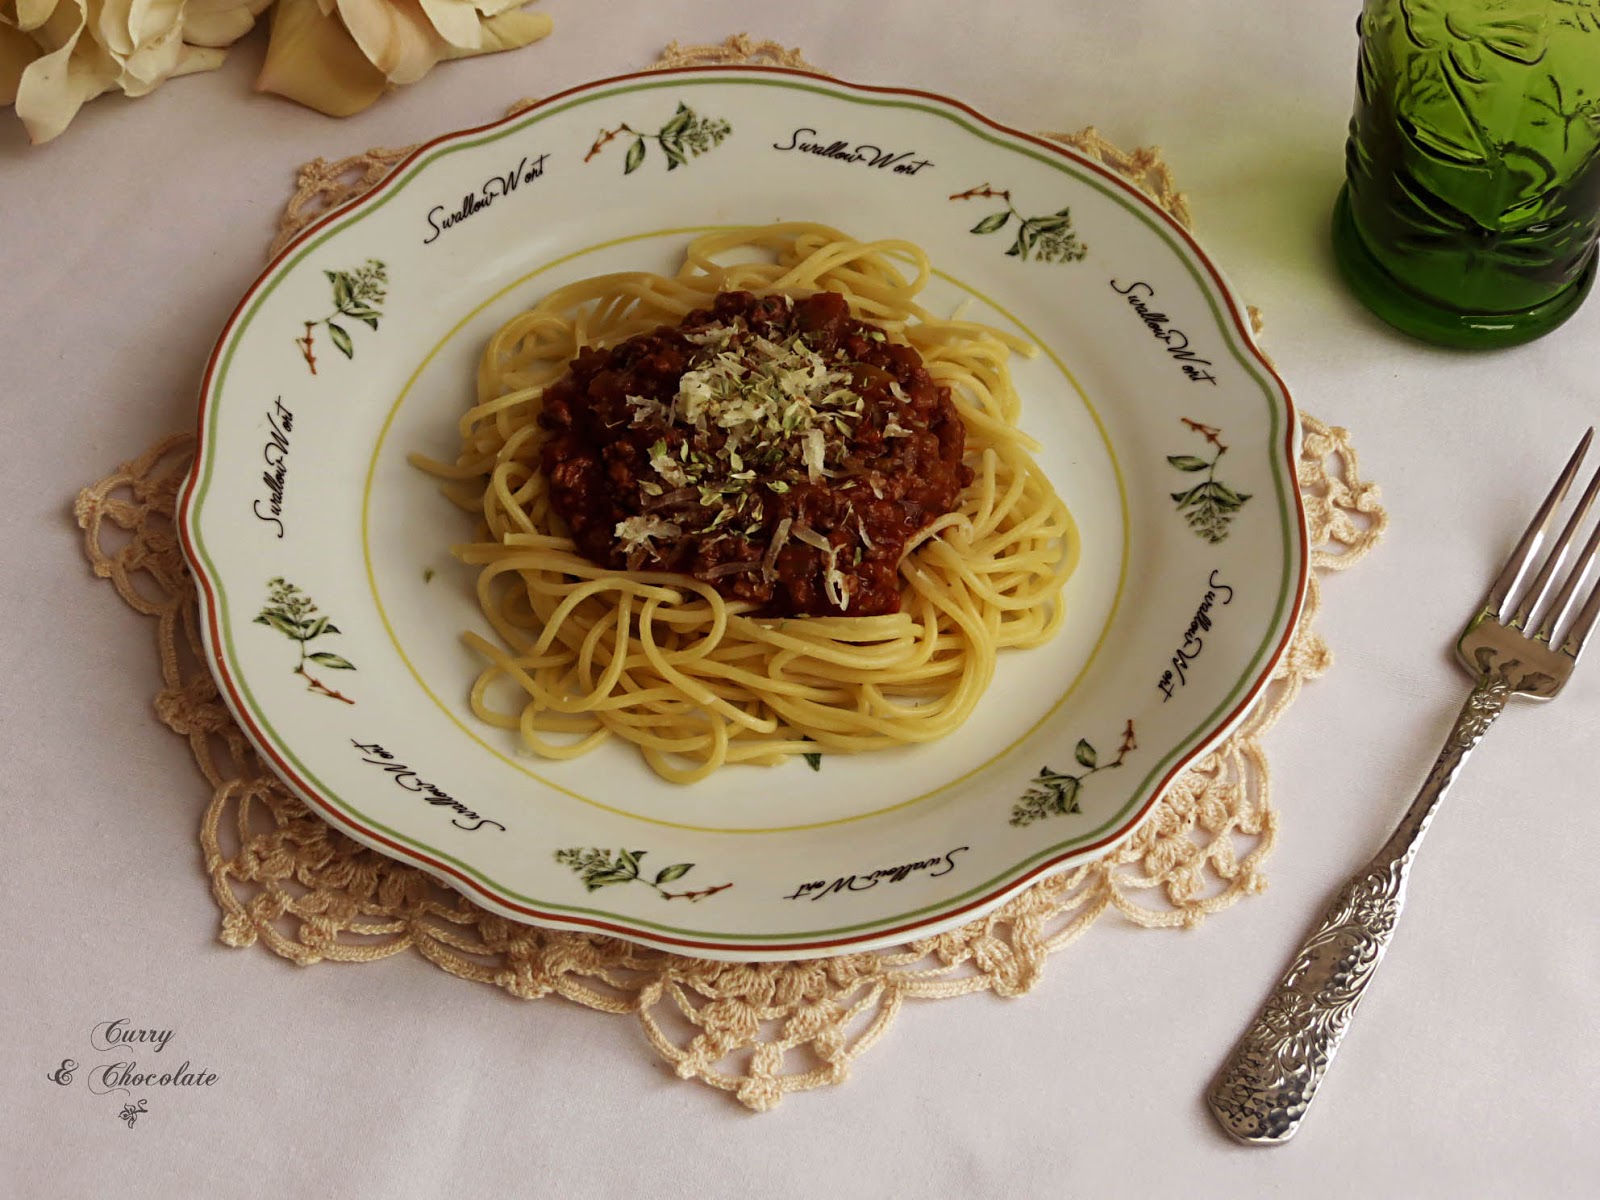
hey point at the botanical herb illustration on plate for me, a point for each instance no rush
(1046, 238)
(602, 868)
(1210, 505)
(292, 613)
(686, 135)
(357, 296)
(1055, 793)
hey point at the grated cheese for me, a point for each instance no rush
(638, 530)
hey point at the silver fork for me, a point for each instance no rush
(1524, 641)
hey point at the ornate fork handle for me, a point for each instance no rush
(1274, 1071)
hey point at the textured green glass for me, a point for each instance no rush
(1471, 205)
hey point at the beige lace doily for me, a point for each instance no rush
(286, 879)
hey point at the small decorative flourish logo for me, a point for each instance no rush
(686, 135)
(130, 1113)
(63, 1073)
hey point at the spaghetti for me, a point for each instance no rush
(696, 679)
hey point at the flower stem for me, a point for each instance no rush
(305, 347)
(691, 896)
(607, 135)
(313, 684)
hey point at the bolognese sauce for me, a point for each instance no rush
(778, 449)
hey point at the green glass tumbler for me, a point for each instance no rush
(1471, 206)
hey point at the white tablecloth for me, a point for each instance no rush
(1474, 1068)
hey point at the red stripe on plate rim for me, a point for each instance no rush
(464, 882)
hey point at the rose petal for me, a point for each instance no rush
(395, 35)
(456, 21)
(312, 59)
(110, 26)
(33, 13)
(150, 20)
(151, 63)
(54, 86)
(508, 31)
(220, 22)
(194, 59)
(17, 50)
(490, 8)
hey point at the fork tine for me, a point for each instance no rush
(1500, 590)
(1585, 623)
(1544, 582)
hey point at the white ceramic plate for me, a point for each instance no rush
(1178, 612)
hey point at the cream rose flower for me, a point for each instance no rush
(57, 54)
(338, 56)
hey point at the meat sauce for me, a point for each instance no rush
(777, 449)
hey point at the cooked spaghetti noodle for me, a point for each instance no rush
(665, 661)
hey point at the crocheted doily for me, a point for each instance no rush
(287, 880)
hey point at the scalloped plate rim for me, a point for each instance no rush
(876, 938)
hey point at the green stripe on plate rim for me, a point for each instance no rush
(1062, 163)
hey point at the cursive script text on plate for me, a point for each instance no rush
(404, 777)
(808, 141)
(280, 421)
(940, 865)
(440, 218)
(1161, 328)
(1177, 675)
